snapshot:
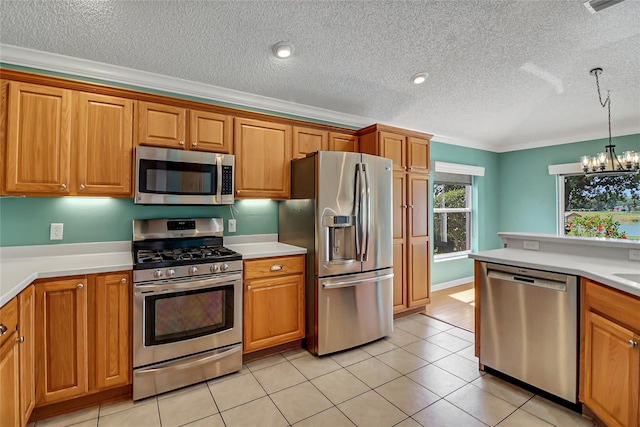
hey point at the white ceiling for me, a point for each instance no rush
(503, 75)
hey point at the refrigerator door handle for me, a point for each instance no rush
(359, 200)
(348, 283)
(367, 213)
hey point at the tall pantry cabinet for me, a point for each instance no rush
(409, 152)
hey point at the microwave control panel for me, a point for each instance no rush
(227, 180)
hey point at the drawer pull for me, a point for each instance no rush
(276, 267)
(632, 343)
(3, 329)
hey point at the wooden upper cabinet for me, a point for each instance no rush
(418, 155)
(161, 125)
(38, 139)
(210, 132)
(263, 155)
(307, 141)
(103, 145)
(343, 142)
(61, 340)
(394, 147)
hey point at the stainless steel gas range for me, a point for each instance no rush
(187, 312)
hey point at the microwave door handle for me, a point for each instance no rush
(357, 212)
(219, 158)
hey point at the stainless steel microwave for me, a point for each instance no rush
(178, 177)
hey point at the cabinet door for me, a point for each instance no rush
(399, 214)
(210, 132)
(306, 141)
(38, 139)
(113, 329)
(263, 155)
(343, 142)
(103, 145)
(9, 386)
(61, 340)
(418, 157)
(611, 371)
(418, 240)
(161, 125)
(393, 146)
(26, 350)
(273, 311)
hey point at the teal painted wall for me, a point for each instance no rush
(25, 221)
(528, 194)
(485, 202)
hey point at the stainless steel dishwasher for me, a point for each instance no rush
(529, 327)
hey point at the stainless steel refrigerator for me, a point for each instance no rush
(340, 211)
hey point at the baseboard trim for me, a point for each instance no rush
(451, 284)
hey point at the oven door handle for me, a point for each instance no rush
(190, 362)
(186, 285)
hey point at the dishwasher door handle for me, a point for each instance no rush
(528, 280)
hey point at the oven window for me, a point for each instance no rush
(162, 177)
(190, 314)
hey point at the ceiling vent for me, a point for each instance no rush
(597, 5)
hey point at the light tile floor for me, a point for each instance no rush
(424, 373)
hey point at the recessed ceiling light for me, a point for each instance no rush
(597, 5)
(282, 50)
(419, 78)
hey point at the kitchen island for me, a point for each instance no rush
(606, 303)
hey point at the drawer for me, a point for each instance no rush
(9, 319)
(271, 267)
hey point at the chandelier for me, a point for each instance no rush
(608, 162)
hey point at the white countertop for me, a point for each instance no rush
(572, 256)
(21, 265)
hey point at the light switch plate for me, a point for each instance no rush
(56, 231)
(532, 245)
(634, 254)
(232, 226)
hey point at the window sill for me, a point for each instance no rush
(451, 257)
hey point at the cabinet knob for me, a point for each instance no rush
(632, 343)
(123, 280)
(237, 191)
(194, 144)
(181, 142)
(3, 329)
(79, 286)
(20, 340)
(404, 168)
(82, 187)
(404, 206)
(63, 186)
(411, 206)
(276, 267)
(249, 287)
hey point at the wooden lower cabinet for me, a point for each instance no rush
(273, 302)
(83, 330)
(9, 365)
(26, 332)
(610, 355)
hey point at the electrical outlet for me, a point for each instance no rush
(55, 232)
(532, 245)
(232, 226)
(634, 254)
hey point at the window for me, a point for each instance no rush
(451, 215)
(600, 206)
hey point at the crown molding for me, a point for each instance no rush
(52, 62)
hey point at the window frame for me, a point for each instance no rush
(469, 220)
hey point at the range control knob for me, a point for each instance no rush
(157, 274)
(171, 272)
(224, 267)
(214, 268)
(193, 270)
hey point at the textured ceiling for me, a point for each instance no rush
(503, 75)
